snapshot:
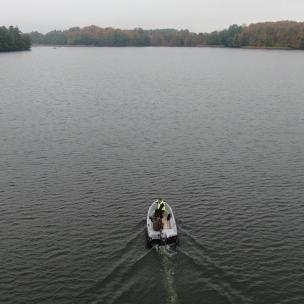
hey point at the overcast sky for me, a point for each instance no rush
(196, 15)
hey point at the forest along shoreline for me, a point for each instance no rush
(280, 35)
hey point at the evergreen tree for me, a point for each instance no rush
(11, 39)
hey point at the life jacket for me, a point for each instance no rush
(161, 205)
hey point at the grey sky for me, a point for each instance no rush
(196, 15)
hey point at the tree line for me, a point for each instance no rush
(11, 39)
(96, 36)
(281, 34)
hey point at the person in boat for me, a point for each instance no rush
(161, 208)
(161, 205)
(158, 224)
(157, 220)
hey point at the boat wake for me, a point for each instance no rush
(215, 276)
(167, 253)
(168, 250)
(130, 258)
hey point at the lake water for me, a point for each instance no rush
(90, 136)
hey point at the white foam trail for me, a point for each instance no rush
(166, 254)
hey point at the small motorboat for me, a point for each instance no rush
(161, 226)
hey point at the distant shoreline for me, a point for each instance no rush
(197, 46)
(277, 35)
(283, 48)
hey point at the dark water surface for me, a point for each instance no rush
(90, 136)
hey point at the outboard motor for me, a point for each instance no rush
(163, 239)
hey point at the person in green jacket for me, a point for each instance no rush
(161, 207)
